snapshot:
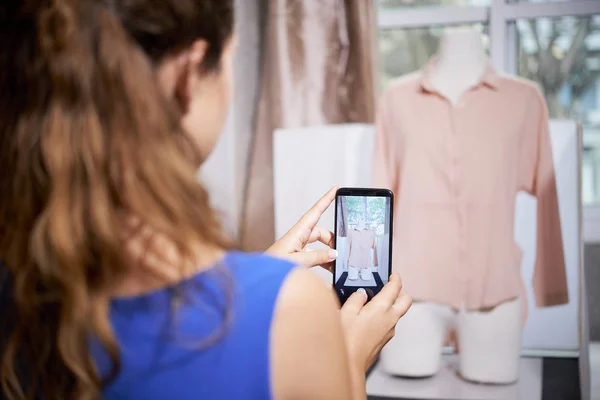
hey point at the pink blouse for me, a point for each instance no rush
(456, 171)
(361, 243)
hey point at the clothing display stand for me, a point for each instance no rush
(342, 154)
(552, 337)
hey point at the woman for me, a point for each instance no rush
(121, 282)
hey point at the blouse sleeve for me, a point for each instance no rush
(385, 171)
(549, 279)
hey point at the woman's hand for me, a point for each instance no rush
(369, 327)
(292, 245)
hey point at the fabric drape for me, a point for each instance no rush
(342, 218)
(317, 69)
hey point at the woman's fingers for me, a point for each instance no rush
(313, 258)
(390, 291)
(304, 232)
(322, 235)
(355, 302)
(402, 304)
(310, 258)
(312, 216)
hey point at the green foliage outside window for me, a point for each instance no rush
(369, 209)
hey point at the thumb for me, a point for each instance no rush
(355, 302)
(314, 258)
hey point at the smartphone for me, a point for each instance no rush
(363, 239)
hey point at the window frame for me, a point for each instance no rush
(500, 17)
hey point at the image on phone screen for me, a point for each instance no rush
(363, 238)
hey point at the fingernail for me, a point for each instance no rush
(332, 254)
(361, 290)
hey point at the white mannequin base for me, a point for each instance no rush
(489, 342)
(352, 273)
(366, 274)
(447, 384)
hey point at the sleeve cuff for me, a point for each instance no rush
(550, 300)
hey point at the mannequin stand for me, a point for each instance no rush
(489, 342)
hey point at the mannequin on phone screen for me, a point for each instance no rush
(362, 243)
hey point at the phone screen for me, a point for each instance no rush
(363, 239)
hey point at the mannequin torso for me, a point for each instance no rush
(461, 63)
(483, 335)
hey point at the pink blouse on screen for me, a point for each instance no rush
(456, 171)
(359, 250)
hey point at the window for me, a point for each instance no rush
(406, 50)
(371, 210)
(540, 1)
(429, 3)
(553, 42)
(563, 56)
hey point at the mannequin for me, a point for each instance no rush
(360, 225)
(490, 339)
(460, 64)
(362, 241)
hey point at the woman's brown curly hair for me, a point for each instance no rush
(87, 141)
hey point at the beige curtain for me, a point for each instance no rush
(317, 69)
(342, 218)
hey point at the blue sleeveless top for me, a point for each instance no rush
(179, 353)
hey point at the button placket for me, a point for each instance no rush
(459, 134)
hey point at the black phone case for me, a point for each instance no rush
(343, 292)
